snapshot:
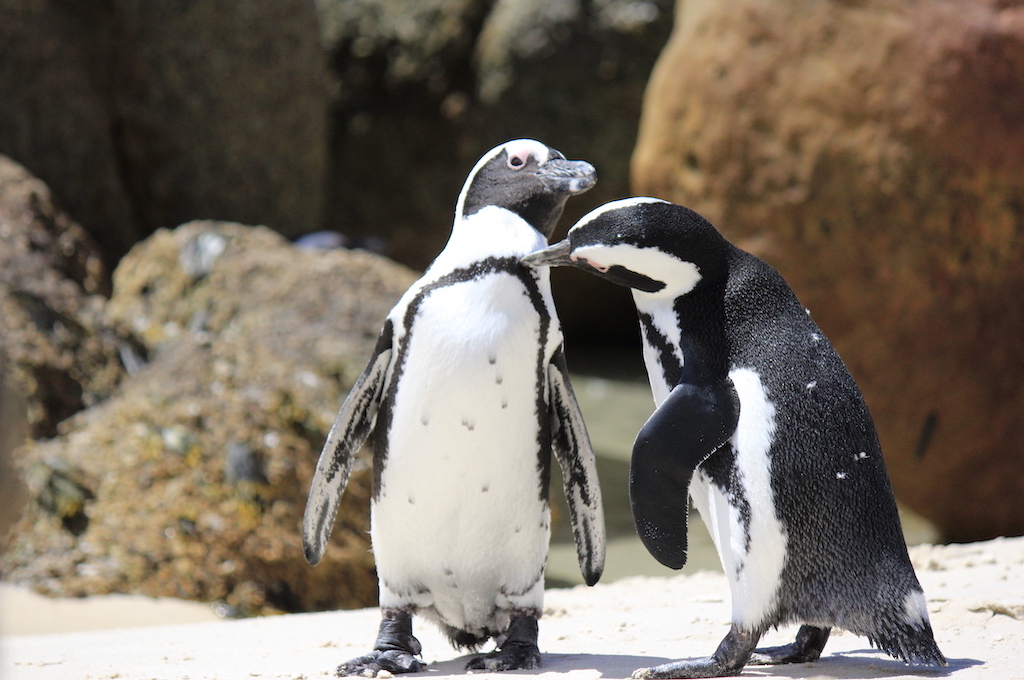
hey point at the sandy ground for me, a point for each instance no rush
(975, 597)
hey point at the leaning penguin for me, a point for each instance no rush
(464, 400)
(759, 421)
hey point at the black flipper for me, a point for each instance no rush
(728, 659)
(810, 640)
(690, 425)
(353, 425)
(517, 647)
(395, 650)
(572, 449)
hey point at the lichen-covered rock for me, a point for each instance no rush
(191, 480)
(874, 152)
(62, 350)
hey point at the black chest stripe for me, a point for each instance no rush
(671, 369)
(477, 270)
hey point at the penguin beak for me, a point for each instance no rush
(567, 177)
(551, 256)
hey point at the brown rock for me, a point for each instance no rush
(62, 350)
(874, 153)
(191, 480)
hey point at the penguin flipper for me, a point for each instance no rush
(571, 446)
(353, 425)
(692, 423)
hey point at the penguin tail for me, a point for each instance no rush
(465, 640)
(912, 644)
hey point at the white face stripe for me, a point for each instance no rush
(514, 148)
(615, 205)
(679, 276)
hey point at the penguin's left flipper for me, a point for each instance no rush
(810, 640)
(693, 422)
(571, 446)
(351, 428)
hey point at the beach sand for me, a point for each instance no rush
(975, 598)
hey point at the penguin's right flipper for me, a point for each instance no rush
(690, 425)
(571, 446)
(353, 425)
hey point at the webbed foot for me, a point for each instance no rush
(728, 659)
(395, 651)
(391, 660)
(810, 640)
(517, 648)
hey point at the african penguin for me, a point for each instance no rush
(759, 420)
(464, 400)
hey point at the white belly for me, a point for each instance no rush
(752, 563)
(459, 524)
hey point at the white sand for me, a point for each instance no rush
(975, 597)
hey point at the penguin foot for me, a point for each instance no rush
(702, 667)
(517, 647)
(369, 665)
(728, 659)
(512, 657)
(810, 640)
(395, 651)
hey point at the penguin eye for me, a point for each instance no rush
(516, 161)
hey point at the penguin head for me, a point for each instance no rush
(527, 178)
(646, 244)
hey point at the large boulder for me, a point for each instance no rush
(60, 349)
(874, 153)
(190, 481)
(144, 115)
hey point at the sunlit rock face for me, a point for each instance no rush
(874, 153)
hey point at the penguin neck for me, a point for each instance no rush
(684, 338)
(490, 232)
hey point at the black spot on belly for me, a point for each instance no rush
(486, 488)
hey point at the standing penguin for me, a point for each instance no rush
(759, 420)
(465, 398)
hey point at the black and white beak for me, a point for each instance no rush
(552, 256)
(567, 177)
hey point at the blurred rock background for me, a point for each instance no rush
(176, 382)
